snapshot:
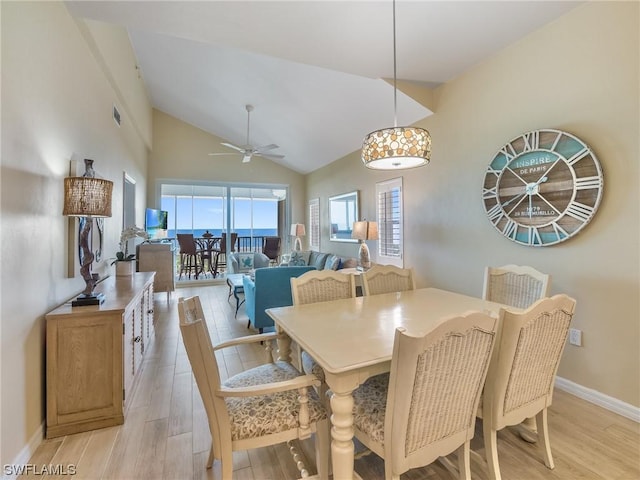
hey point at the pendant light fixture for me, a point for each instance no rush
(396, 147)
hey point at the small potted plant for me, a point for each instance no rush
(124, 260)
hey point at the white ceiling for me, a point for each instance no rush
(312, 69)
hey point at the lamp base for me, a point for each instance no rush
(83, 300)
(364, 260)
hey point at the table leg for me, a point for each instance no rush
(342, 449)
(284, 345)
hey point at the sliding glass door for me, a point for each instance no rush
(251, 212)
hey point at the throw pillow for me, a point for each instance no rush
(332, 262)
(349, 263)
(245, 262)
(298, 258)
(318, 260)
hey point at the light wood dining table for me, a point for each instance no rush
(352, 340)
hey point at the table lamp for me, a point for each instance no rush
(297, 230)
(364, 231)
(87, 197)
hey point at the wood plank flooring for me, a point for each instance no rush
(166, 436)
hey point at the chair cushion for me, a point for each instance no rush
(266, 414)
(370, 403)
(245, 262)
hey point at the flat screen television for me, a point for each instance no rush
(156, 224)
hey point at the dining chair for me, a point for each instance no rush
(522, 373)
(515, 285)
(261, 406)
(387, 278)
(312, 287)
(221, 251)
(425, 408)
(190, 260)
(271, 248)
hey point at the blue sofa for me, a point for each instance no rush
(270, 288)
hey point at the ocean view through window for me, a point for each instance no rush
(251, 212)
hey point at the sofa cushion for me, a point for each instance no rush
(299, 258)
(317, 259)
(245, 262)
(332, 262)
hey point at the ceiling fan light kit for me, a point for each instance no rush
(248, 150)
(396, 148)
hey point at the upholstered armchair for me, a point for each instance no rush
(270, 288)
(241, 262)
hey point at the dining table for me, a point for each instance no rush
(352, 340)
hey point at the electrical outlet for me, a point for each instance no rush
(575, 337)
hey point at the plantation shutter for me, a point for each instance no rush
(314, 224)
(390, 227)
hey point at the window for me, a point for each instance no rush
(390, 228)
(253, 212)
(314, 224)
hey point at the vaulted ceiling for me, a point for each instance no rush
(313, 70)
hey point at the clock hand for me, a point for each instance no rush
(511, 200)
(530, 204)
(542, 180)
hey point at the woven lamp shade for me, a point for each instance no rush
(87, 197)
(396, 148)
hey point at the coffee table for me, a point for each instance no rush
(235, 288)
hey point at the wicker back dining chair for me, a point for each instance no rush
(261, 406)
(515, 285)
(322, 286)
(312, 287)
(522, 373)
(425, 408)
(387, 278)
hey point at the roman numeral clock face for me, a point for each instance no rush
(542, 188)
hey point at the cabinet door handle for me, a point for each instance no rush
(150, 311)
(137, 339)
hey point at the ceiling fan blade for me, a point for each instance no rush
(233, 146)
(271, 146)
(224, 154)
(246, 158)
(269, 155)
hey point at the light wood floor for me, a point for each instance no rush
(165, 435)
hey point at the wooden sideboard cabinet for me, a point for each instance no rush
(159, 258)
(94, 354)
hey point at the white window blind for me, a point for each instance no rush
(390, 227)
(314, 224)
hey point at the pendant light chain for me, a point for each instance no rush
(395, 88)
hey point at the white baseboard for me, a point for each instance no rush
(605, 401)
(27, 452)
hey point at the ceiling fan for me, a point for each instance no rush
(248, 150)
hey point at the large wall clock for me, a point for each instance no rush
(542, 187)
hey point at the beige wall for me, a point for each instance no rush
(180, 152)
(57, 103)
(578, 74)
